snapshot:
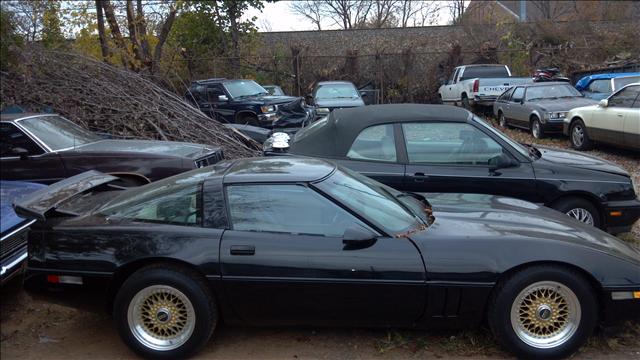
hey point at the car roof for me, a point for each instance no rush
(585, 81)
(479, 65)
(18, 116)
(545, 83)
(334, 82)
(335, 138)
(277, 169)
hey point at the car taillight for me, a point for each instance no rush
(476, 85)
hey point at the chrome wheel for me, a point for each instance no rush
(577, 135)
(161, 317)
(503, 121)
(582, 215)
(545, 314)
(535, 129)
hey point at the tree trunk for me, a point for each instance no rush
(117, 35)
(133, 34)
(164, 32)
(233, 20)
(104, 48)
(141, 23)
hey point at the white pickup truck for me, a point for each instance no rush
(471, 85)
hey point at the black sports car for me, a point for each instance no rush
(288, 241)
(440, 148)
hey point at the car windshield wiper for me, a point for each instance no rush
(428, 210)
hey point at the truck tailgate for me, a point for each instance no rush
(496, 86)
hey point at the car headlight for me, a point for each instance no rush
(322, 110)
(268, 108)
(557, 115)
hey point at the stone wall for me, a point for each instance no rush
(407, 63)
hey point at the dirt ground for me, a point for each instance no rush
(32, 329)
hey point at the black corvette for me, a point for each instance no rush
(288, 241)
(440, 148)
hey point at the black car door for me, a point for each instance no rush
(454, 157)
(284, 262)
(375, 153)
(35, 165)
(221, 103)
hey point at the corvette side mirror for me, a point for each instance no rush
(357, 237)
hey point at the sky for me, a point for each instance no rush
(278, 17)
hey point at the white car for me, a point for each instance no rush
(614, 121)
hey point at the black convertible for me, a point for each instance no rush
(440, 148)
(288, 241)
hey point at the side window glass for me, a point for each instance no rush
(174, 206)
(518, 94)
(453, 76)
(624, 98)
(448, 143)
(213, 92)
(374, 143)
(11, 137)
(506, 95)
(600, 86)
(292, 209)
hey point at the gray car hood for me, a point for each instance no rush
(563, 104)
(487, 216)
(151, 147)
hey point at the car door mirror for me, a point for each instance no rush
(308, 99)
(21, 152)
(358, 237)
(603, 103)
(500, 162)
(223, 98)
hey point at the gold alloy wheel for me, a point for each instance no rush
(545, 314)
(161, 317)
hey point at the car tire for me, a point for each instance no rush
(578, 136)
(502, 120)
(465, 102)
(536, 128)
(580, 209)
(247, 119)
(165, 312)
(543, 312)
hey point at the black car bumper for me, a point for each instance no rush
(620, 304)
(619, 216)
(552, 126)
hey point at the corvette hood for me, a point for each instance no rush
(580, 160)
(494, 217)
(169, 148)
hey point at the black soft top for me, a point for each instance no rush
(342, 126)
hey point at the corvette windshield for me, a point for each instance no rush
(551, 92)
(57, 132)
(337, 91)
(376, 202)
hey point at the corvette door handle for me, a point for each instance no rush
(419, 177)
(243, 250)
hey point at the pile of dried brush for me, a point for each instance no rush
(112, 100)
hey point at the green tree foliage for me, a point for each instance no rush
(10, 40)
(52, 36)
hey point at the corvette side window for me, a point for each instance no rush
(374, 143)
(176, 206)
(448, 143)
(292, 209)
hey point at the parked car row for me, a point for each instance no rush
(367, 208)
